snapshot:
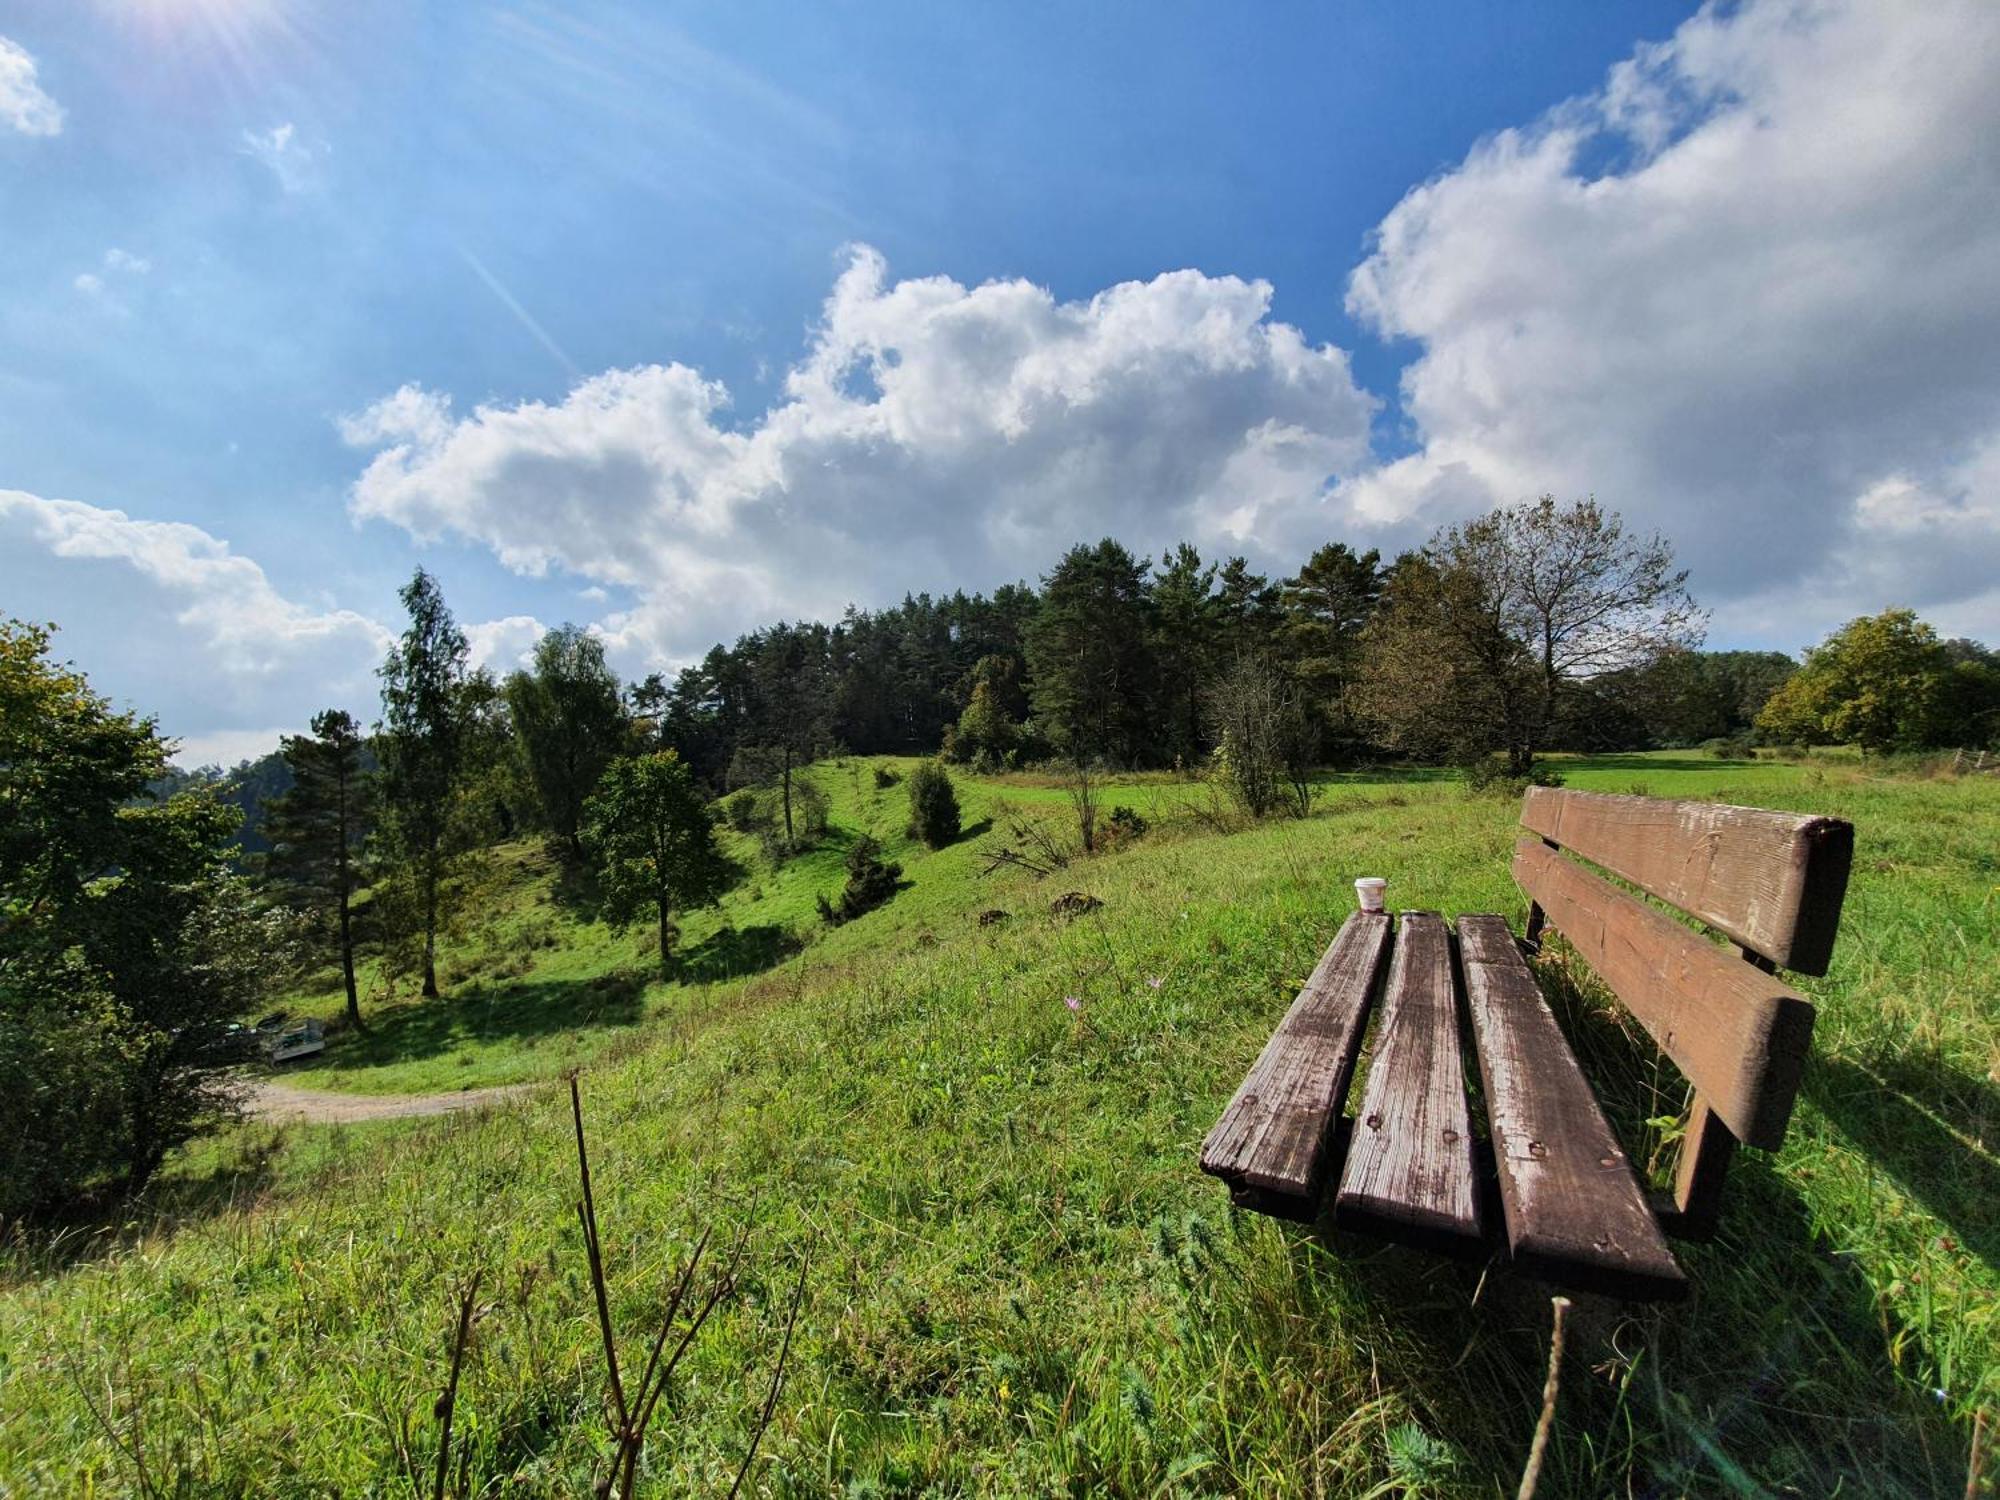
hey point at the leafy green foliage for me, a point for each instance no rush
(1886, 682)
(127, 943)
(647, 826)
(740, 809)
(934, 814)
(984, 736)
(422, 745)
(568, 724)
(871, 880)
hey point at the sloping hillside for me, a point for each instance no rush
(1022, 1285)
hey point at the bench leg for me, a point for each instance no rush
(1706, 1152)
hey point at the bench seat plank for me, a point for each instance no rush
(1409, 1172)
(1574, 1211)
(1271, 1144)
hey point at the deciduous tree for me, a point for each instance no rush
(127, 942)
(1881, 682)
(1480, 634)
(422, 745)
(568, 724)
(648, 828)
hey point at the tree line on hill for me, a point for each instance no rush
(144, 910)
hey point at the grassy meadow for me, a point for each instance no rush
(1020, 1283)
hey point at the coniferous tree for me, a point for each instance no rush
(316, 829)
(422, 745)
(1327, 604)
(1185, 618)
(1090, 657)
(790, 722)
(1247, 615)
(934, 816)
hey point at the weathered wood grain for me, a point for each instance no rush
(1574, 1212)
(1738, 1034)
(1774, 881)
(1408, 1174)
(1272, 1143)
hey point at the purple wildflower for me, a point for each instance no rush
(1153, 981)
(1074, 1002)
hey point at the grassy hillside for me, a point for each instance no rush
(1022, 1284)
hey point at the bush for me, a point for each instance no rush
(871, 880)
(1489, 775)
(809, 814)
(740, 809)
(1731, 748)
(933, 805)
(1124, 825)
(885, 777)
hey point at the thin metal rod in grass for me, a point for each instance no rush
(634, 1410)
(447, 1403)
(777, 1371)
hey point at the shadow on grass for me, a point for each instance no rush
(576, 890)
(1374, 775)
(1775, 1377)
(1913, 1121)
(514, 1009)
(1782, 1373)
(1654, 763)
(735, 951)
(969, 832)
(101, 1224)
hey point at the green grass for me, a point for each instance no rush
(1023, 1285)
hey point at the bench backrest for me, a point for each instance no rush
(1771, 881)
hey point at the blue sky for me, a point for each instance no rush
(1442, 256)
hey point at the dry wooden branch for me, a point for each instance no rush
(447, 1403)
(1531, 1475)
(777, 1372)
(633, 1410)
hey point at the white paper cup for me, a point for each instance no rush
(1368, 891)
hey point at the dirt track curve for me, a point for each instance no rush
(266, 1100)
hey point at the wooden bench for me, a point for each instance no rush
(1528, 1170)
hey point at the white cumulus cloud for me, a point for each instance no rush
(24, 106)
(1746, 293)
(933, 434)
(166, 617)
(504, 644)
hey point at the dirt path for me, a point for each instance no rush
(266, 1100)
